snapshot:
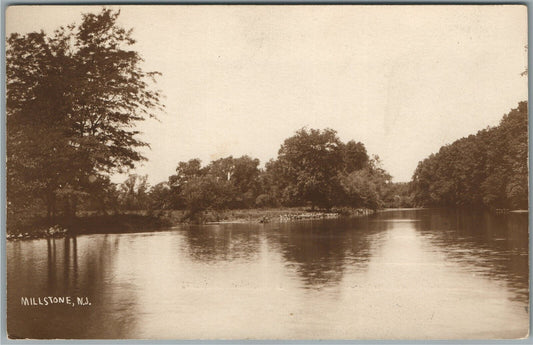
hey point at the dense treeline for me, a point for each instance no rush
(489, 169)
(314, 168)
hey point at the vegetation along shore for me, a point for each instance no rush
(145, 221)
(67, 136)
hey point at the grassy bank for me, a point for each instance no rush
(140, 221)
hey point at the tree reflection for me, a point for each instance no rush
(318, 251)
(72, 274)
(321, 251)
(497, 246)
(223, 242)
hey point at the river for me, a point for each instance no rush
(400, 274)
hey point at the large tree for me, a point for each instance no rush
(313, 166)
(185, 172)
(308, 164)
(73, 98)
(243, 176)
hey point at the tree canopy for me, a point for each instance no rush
(313, 167)
(72, 101)
(489, 169)
(309, 163)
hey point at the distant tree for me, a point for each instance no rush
(276, 184)
(398, 194)
(507, 161)
(104, 196)
(160, 197)
(366, 187)
(355, 156)
(72, 99)
(309, 163)
(246, 174)
(360, 190)
(201, 193)
(313, 167)
(489, 169)
(185, 172)
(133, 193)
(242, 175)
(224, 183)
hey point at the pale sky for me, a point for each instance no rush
(404, 80)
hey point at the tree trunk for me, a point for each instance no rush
(50, 207)
(48, 213)
(70, 209)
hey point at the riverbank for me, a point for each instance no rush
(266, 215)
(90, 224)
(141, 221)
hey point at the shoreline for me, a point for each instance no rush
(144, 221)
(284, 215)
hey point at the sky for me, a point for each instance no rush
(238, 80)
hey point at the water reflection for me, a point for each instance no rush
(222, 242)
(55, 267)
(320, 251)
(493, 246)
(400, 274)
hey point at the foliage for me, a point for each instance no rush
(206, 192)
(224, 183)
(133, 193)
(72, 99)
(160, 197)
(316, 167)
(241, 176)
(355, 156)
(308, 165)
(313, 167)
(310, 161)
(489, 169)
(366, 187)
(398, 195)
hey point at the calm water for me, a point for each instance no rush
(400, 274)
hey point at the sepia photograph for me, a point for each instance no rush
(269, 172)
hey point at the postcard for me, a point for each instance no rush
(267, 172)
